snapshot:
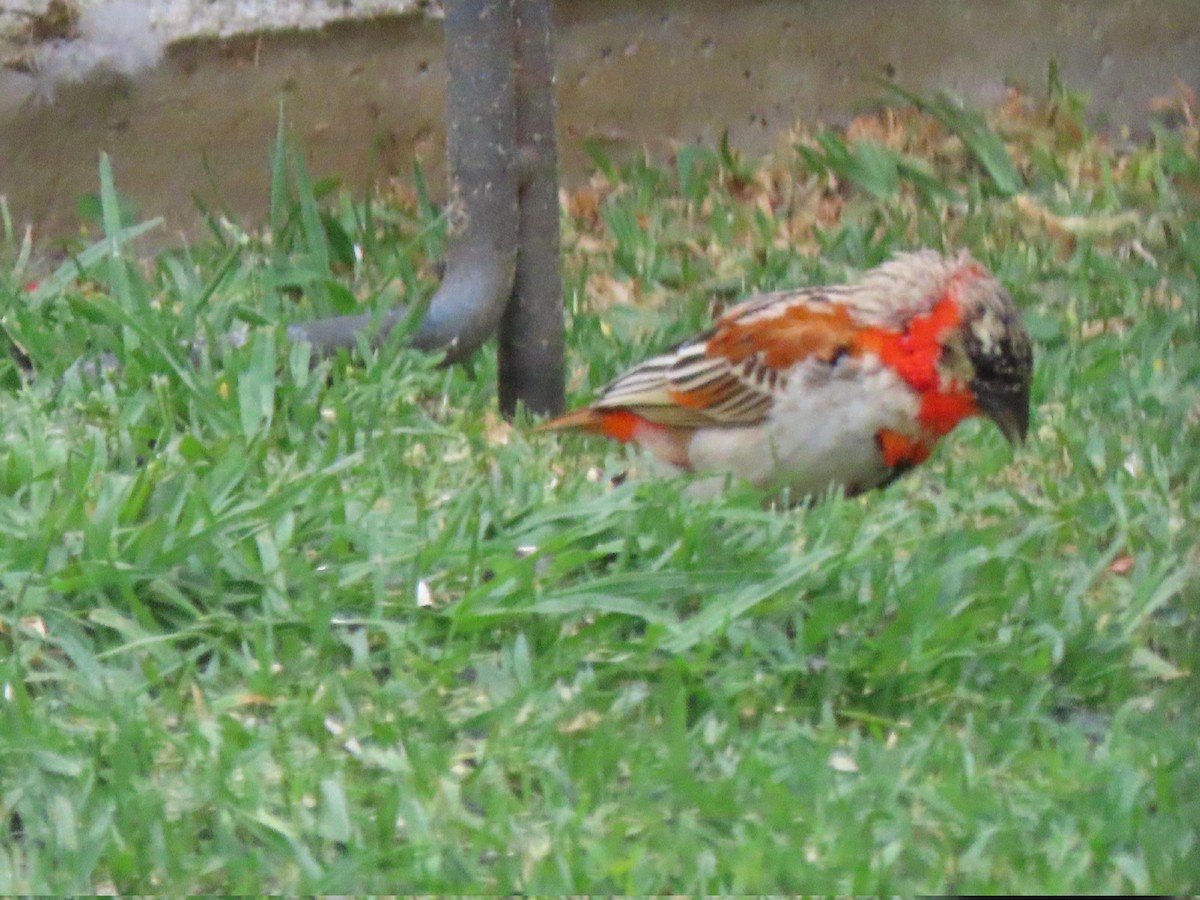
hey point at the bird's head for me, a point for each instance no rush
(989, 351)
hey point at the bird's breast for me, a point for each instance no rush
(823, 429)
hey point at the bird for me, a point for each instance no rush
(848, 385)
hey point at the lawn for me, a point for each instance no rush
(282, 628)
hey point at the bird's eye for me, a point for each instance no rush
(955, 360)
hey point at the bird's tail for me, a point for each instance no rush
(581, 419)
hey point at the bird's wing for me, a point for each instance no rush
(732, 373)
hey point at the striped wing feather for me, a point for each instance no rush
(731, 374)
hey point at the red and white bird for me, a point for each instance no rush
(845, 385)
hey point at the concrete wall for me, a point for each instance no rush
(365, 98)
(180, 19)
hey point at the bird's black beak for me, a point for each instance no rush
(1007, 405)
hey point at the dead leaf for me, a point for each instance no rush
(585, 721)
(424, 595)
(1121, 565)
(252, 699)
(842, 762)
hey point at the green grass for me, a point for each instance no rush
(273, 628)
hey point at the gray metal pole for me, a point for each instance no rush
(531, 332)
(480, 146)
